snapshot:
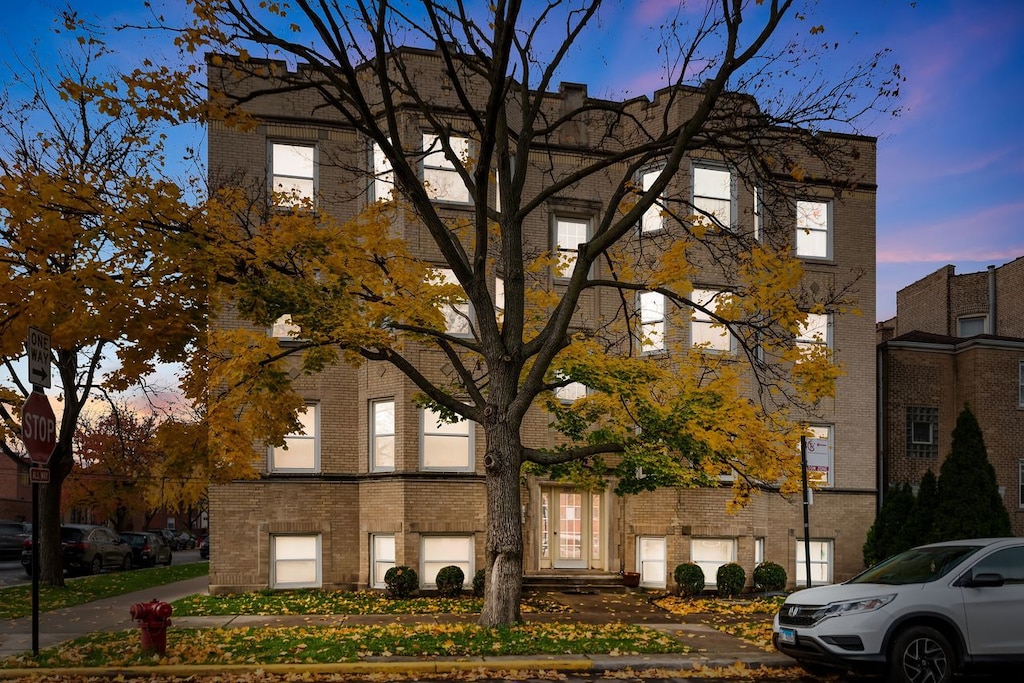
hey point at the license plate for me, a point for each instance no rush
(787, 636)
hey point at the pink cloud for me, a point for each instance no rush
(957, 238)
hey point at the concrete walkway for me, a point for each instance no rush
(712, 648)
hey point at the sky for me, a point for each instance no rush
(950, 166)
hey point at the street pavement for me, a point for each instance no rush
(712, 648)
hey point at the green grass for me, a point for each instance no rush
(16, 601)
(325, 644)
(337, 602)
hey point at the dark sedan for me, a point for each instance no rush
(12, 538)
(148, 549)
(86, 549)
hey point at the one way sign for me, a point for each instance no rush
(39, 358)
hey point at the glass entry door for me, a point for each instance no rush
(571, 533)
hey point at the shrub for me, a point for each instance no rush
(401, 582)
(769, 577)
(478, 583)
(731, 578)
(689, 579)
(449, 581)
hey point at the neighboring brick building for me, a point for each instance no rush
(956, 340)
(15, 491)
(365, 488)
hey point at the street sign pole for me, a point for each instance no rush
(35, 569)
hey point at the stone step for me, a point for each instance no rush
(574, 582)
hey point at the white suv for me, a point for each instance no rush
(921, 615)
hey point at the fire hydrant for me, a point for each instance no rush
(153, 618)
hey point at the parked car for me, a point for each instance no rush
(922, 615)
(86, 549)
(170, 536)
(148, 549)
(204, 548)
(186, 541)
(12, 538)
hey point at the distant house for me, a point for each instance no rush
(375, 481)
(955, 340)
(15, 491)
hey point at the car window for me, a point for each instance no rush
(919, 565)
(134, 540)
(67, 534)
(1008, 563)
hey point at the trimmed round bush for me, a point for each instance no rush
(478, 583)
(401, 582)
(769, 577)
(689, 579)
(731, 578)
(449, 581)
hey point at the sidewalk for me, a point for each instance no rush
(712, 648)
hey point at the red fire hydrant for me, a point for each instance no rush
(153, 618)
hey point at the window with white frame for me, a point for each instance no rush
(652, 322)
(440, 175)
(820, 455)
(571, 392)
(382, 558)
(652, 561)
(295, 561)
(283, 328)
(821, 562)
(702, 324)
(456, 313)
(814, 229)
(922, 431)
(711, 553)
(712, 194)
(383, 174)
(971, 325)
(653, 219)
(301, 449)
(437, 552)
(446, 446)
(759, 544)
(815, 332)
(569, 235)
(292, 172)
(382, 435)
(499, 300)
(758, 213)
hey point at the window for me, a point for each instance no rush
(702, 331)
(293, 172)
(440, 176)
(652, 219)
(821, 563)
(284, 329)
(758, 213)
(570, 392)
(710, 554)
(759, 550)
(1008, 563)
(652, 561)
(813, 229)
(382, 435)
(442, 551)
(820, 456)
(456, 315)
(301, 450)
(569, 235)
(815, 332)
(652, 322)
(499, 300)
(383, 174)
(1020, 384)
(1020, 480)
(922, 432)
(382, 558)
(971, 325)
(712, 194)
(295, 561)
(446, 446)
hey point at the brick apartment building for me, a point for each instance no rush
(15, 491)
(955, 340)
(367, 486)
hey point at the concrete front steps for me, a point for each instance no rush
(580, 582)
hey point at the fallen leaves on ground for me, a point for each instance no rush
(737, 606)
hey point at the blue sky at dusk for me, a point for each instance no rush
(950, 167)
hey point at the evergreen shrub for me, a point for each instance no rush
(731, 578)
(449, 581)
(689, 579)
(769, 577)
(401, 582)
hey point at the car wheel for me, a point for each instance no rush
(922, 654)
(97, 565)
(127, 564)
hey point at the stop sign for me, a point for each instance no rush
(38, 428)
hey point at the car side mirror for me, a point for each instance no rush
(987, 580)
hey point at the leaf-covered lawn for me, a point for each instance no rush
(749, 619)
(757, 632)
(16, 601)
(338, 602)
(274, 645)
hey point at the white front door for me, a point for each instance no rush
(571, 532)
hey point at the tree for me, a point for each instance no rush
(920, 528)
(888, 534)
(350, 285)
(969, 504)
(86, 253)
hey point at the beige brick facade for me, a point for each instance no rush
(345, 504)
(926, 366)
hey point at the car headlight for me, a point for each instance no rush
(838, 609)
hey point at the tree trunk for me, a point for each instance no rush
(51, 555)
(504, 552)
